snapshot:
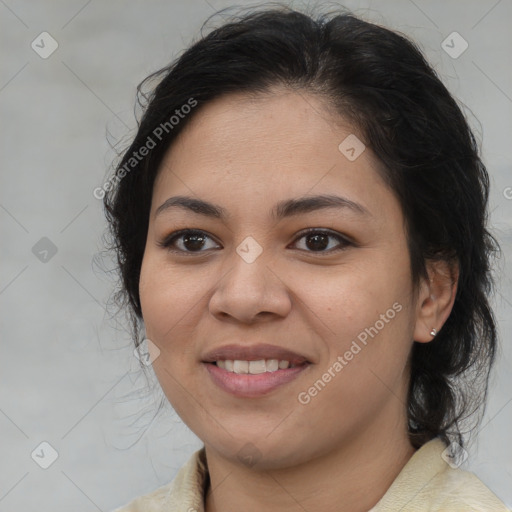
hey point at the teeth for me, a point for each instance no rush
(254, 367)
(273, 364)
(241, 366)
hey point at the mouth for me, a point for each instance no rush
(253, 371)
(257, 367)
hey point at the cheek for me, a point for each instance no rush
(365, 321)
(363, 314)
(167, 297)
(350, 297)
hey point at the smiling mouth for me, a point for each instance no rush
(251, 379)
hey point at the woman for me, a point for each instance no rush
(300, 224)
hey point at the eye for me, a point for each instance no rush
(317, 240)
(188, 241)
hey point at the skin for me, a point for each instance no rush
(343, 449)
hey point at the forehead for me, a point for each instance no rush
(266, 147)
(239, 124)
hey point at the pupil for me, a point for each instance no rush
(317, 245)
(193, 241)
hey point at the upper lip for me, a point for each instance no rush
(253, 353)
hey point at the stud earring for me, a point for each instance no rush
(433, 332)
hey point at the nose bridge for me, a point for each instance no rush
(248, 274)
(250, 286)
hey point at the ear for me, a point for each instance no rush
(435, 299)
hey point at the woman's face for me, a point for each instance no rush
(340, 298)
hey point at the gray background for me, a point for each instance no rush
(68, 373)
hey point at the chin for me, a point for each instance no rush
(260, 455)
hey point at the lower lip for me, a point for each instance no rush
(247, 385)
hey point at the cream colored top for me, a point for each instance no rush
(426, 484)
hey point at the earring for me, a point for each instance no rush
(433, 332)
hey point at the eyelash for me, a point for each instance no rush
(169, 240)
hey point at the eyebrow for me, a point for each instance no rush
(283, 209)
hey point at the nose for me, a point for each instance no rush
(250, 292)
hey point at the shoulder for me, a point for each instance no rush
(184, 493)
(429, 482)
(455, 489)
(152, 502)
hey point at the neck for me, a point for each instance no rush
(350, 477)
